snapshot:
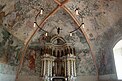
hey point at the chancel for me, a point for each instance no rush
(60, 40)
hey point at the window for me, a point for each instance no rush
(118, 59)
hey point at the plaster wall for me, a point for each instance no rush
(103, 26)
(108, 77)
(7, 72)
(28, 78)
(7, 77)
(86, 78)
(94, 78)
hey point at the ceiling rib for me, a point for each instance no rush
(41, 25)
(26, 44)
(82, 30)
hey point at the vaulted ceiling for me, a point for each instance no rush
(102, 20)
(18, 16)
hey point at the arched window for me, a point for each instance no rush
(118, 58)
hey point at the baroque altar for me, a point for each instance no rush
(58, 61)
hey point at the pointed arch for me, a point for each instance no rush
(60, 5)
(60, 39)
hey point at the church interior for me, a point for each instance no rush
(60, 40)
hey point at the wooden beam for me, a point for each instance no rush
(82, 30)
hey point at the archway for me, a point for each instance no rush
(117, 50)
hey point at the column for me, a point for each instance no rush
(56, 68)
(48, 68)
(68, 68)
(59, 68)
(74, 69)
(51, 66)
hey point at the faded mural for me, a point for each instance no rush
(9, 48)
(102, 20)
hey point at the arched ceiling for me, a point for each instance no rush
(18, 15)
(102, 20)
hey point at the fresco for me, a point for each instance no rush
(85, 65)
(102, 25)
(104, 62)
(9, 48)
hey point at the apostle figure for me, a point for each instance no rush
(32, 57)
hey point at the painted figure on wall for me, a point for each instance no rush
(103, 62)
(32, 57)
